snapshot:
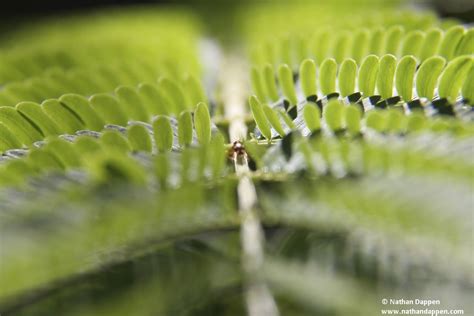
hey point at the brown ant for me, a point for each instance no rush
(237, 152)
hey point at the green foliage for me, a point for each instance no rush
(163, 134)
(347, 77)
(453, 76)
(386, 75)
(260, 117)
(202, 123)
(327, 75)
(308, 77)
(368, 75)
(113, 173)
(285, 77)
(404, 77)
(427, 76)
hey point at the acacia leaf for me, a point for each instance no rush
(327, 76)
(285, 76)
(412, 43)
(131, 103)
(333, 115)
(393, 39)
(109, 109)
(269, 82)
(202, 123)
(82, 107)
(139, 138)
(431, 43)
(386, 75)
(34, 113)
(185, 128)
(257, 84)
(163, 134)
(353, 116)
(405, 76)
(312, 117)
(308, 77)
(451, 39)
(347, 77)
(260, 117)
(427, 76)
(274, 119)
(453, 77)
(368, 75)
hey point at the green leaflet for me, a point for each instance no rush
(368, 75)
(301, 48)
(412, 43)
(41, 160)
(171, 89)
(466, 46)
(333, 114)
(139, 138)
(163, 134)
(114, 140)
(20, 91)
(34, 113)
(195, 90)
(260, 117)
(347, 77)
(8, 139)
(217, 155)
(81, 106)
(405, 76)
(376, 41)
(327, 76)
(450, 41)
(361, 45)
(320, 45)
(353, 116)
(15, 172)
(286, 117)
(393, 38)
(185, 128)
(115, 167)
(19, 126)
(64, 151)
(274, 119)
(386, 75)
(312, 117)
(394, 120)
(431, 43)
(202, 123)
(87, 144)
(468, 87)
(416, 122)
(269, 82)
(109, 109)
(375, 121)
(257, 84)
(285, 77)
(308, 77)
(162, 169)
(427, 76)
(131, 103)
(154, 101)
(67, 120)
(453, 77)
(342, 45)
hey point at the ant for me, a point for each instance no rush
(237, 152)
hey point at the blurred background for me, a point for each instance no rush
(15, 10)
